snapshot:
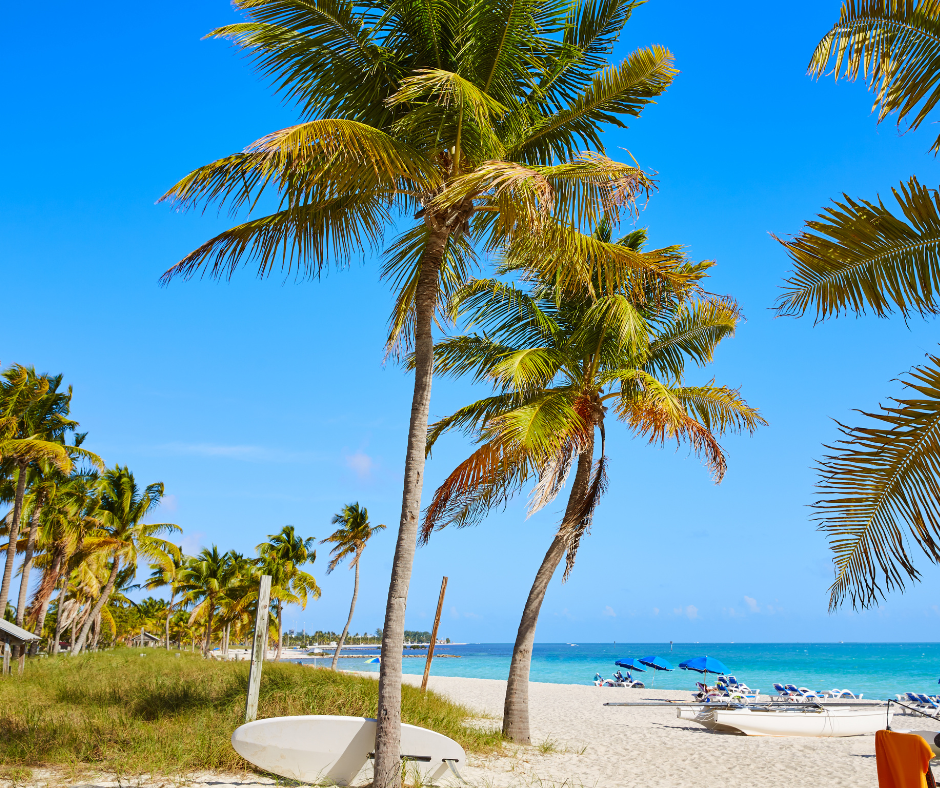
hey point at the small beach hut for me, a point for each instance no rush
(12, 635)
(146, 639)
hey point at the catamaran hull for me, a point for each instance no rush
(822, 724)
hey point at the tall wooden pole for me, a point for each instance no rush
(258, 648)
(437, 620)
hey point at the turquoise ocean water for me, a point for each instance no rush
(879, 670)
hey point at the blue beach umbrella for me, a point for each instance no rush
(373, 661)
(656, 663)
(631, 664)
(704, 665)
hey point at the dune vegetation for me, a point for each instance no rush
(165, 714)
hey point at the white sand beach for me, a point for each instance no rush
(601, 745)
(588, 744)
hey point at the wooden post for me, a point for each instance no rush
(6, 659)
(258, 648)
(437, 620)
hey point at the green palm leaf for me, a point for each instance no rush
(860, 256)
(302, 237)
(880, 488)
(895, 46)
(615, 91)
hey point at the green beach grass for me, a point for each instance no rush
(162, 714)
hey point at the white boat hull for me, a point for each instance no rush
(317, 749)
(823, 724)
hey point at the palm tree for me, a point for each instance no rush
(469, 117)
(71, 515)
(124, 535)
(33, 420)
(350, 540)
(202, 580)
(167, 572)
(44, 479)
(880, 483)
(281, 557)
(555, 357)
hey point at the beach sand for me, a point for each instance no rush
(601, 745)
(584, 744)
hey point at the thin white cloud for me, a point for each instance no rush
(453, 612)
(169, 503)
(242, 452)
(192, 542)
(691, 611)
(471, 615)
(609, 611)
(677, 611)
(361, 463)
(655, 611)
(752, 604)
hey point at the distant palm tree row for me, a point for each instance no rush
(82, 528)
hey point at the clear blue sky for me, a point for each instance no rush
(259, 403)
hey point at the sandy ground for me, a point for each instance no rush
(599, 745)
(584, 743)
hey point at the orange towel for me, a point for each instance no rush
(903, 760)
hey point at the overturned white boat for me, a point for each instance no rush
(802, 720)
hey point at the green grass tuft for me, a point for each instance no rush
(165, 714)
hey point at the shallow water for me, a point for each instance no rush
(879, 670)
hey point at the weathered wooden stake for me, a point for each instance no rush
(6, 659)
(258, 648)
(437, 620)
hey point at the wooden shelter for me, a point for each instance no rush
(12, 635)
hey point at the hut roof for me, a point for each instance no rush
(15, 634)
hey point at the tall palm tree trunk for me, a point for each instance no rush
(352, 607)
(388, 724)
(99, 605)
(280, 634)
(60, 615)
(44, 595)
(208, 642)
(169, 613)
(97, 623)
(516, 706)
(14, 536)
(27, 563)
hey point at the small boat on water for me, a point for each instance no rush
(806, 720)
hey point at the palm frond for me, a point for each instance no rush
(860, 256)
(311, 162)
(320, 53)
(402, 267)
(692, 333)
(719, 408)
(488, 478)
(657, 412)
(574, 529)
(614, 91)
(895, 46)
(590, 33)
(304, 238)
(448, 89)
(881, 487)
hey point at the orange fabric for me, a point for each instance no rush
(903, 760)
